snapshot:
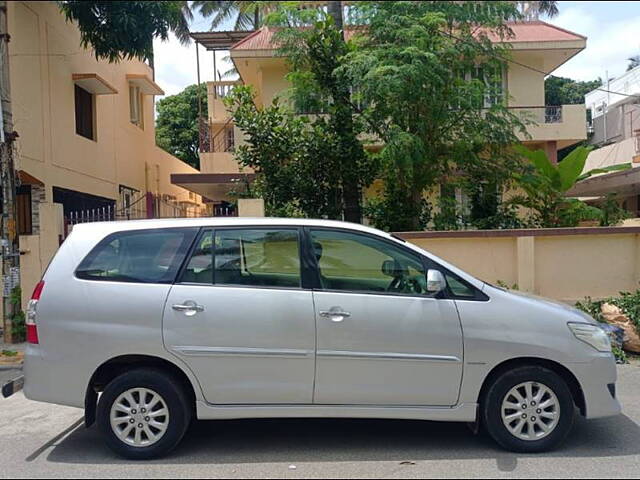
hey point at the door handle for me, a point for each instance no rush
(189, 308)
(335, 314)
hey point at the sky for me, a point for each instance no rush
(612, 29)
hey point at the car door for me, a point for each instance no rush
(382, 339)
(240, 319)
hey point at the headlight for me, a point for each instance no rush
(592, 335)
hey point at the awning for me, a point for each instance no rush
(146, 85)
(93, 83)
(219, 40)
(625, 182)
(214, 186)
(28, 179)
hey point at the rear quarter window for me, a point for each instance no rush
(142, 256)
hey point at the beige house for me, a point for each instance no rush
(86, 147)
(536, 47)
(615, 133)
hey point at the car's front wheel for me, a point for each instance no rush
(528, 409)
(143, 414)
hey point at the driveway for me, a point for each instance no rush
(41, 440)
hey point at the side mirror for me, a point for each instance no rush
(435, 281)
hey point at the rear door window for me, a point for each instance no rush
(199, 269)
(257, 257)
(142, 256)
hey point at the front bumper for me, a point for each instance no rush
(597, 380)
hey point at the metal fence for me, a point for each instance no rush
(540, 115)
(145, 206)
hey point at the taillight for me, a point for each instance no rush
(32, 310)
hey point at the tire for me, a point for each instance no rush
(547, 423)
(152, 434)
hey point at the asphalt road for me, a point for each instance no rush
(41, 440)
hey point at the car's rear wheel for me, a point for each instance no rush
(528, 409)
(143, 414)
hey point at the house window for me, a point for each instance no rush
(85, 113)
(135, 106)
(494, 80)
(23, 201)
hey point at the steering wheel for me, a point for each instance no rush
(403, 284)
(397, 284)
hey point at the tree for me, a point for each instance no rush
(292, 156)
(633, 62)
(243, 15)
(533, 9)
(565, 91)
(119, 30)
(431, 83)
(545, 186)
(315, 55)
(177, 128)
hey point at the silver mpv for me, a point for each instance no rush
(149, 324)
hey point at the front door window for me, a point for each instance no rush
(362, 263)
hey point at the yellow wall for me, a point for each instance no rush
(565, 267)
(44, 53)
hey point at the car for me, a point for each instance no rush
(150, 324)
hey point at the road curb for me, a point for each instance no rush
(17, 366)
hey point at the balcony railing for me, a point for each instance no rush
(222, 141)
(222, 89)
(539, 115)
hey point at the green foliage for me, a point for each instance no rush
(545, 186)
(449, 215)
(294, 158)
(612, 213)
(591, 307)
(565, 91)
(18, 326)
(423, 73)
(177, 123)
(243, 15)
(503, 284)
(119, 30)
(316, 55)
(9, 353)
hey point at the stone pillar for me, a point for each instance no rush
(250, 207)
(526, 264)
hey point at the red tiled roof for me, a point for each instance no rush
(535, 31)
(262, 39)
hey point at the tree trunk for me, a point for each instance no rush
(334, 9)
(351, 194)
(8, 227)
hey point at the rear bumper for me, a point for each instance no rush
(51, 382)
(12, 386)
(597, 379)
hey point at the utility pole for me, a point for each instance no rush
(9, 246)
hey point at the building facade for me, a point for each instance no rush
(615, 134)
(86, 147)
(537, 47)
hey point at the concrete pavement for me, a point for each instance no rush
(41, 440)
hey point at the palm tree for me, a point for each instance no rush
(633, 62)
(244, 15)
(531, 10)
